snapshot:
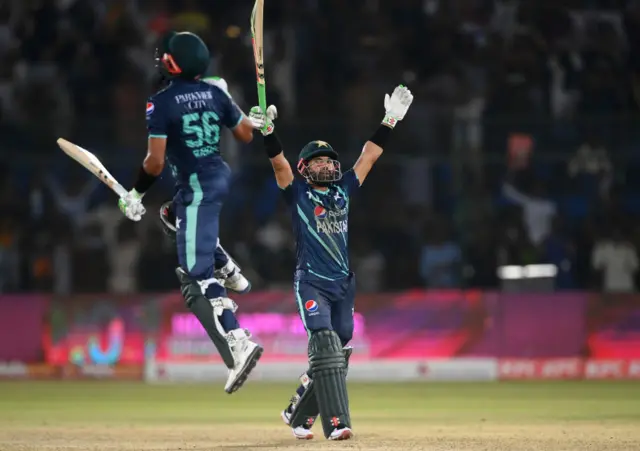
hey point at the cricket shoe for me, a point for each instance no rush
(286, 415)
(299, 432)
(344, 433)
(246, 354)
(232, 279)
(302, 433)
(288, 411)
(237, 283)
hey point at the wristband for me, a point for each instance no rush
(381, 135)
(144, 181)
(272, 145)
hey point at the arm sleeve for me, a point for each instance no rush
(157, 122)
(232, 116)
(350, 182)
(290, 192)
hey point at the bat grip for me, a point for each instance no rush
(262, 98)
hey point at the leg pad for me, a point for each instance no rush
(306, 409)
(203, 309)
(329, 368)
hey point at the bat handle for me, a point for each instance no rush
(119, 189)
(262, 97)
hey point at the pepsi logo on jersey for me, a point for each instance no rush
(320, 212)
(311, 306)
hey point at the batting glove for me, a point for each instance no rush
(396, 105)
(262, 121)
(131, 205)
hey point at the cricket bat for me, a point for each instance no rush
(92, 164)
(257, 20)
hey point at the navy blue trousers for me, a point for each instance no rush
(197, 206)
(325, 304)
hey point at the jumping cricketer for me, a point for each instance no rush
(184, 121)
(227, 272)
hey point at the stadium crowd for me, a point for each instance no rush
(520, 147)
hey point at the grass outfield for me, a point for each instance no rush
(467, 417)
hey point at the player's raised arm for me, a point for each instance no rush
(273, 147)
(396, 106)
(242, 129)
(243, 132)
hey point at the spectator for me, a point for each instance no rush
(368, 263)
(440, 259)
(616, 261)
(74, 204)
(123, 260)
(9, 263)
(488, 77)
(591, 164)
(558, 250)
(514, 245)
(538, 211)
(274, 243)
(481, 258)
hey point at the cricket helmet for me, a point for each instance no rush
(327, 173)
(168, 220)
(183, 55)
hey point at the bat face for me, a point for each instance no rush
(90, 162)
(257, 35)
(260, 72)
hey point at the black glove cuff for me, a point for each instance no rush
(144, 181)
(272, 145)
(381, 135)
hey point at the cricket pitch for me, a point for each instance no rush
(88, 416)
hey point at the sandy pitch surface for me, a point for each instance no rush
(368, 437)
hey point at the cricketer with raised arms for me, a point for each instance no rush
(324, 285)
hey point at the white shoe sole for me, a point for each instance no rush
(248, 366)
(307, 436)
(344, 434)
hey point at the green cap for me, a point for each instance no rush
(317, 149)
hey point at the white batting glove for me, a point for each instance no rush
(396, 105)
(131, 205)
(262, 121)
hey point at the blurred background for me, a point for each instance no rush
(511, 175)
